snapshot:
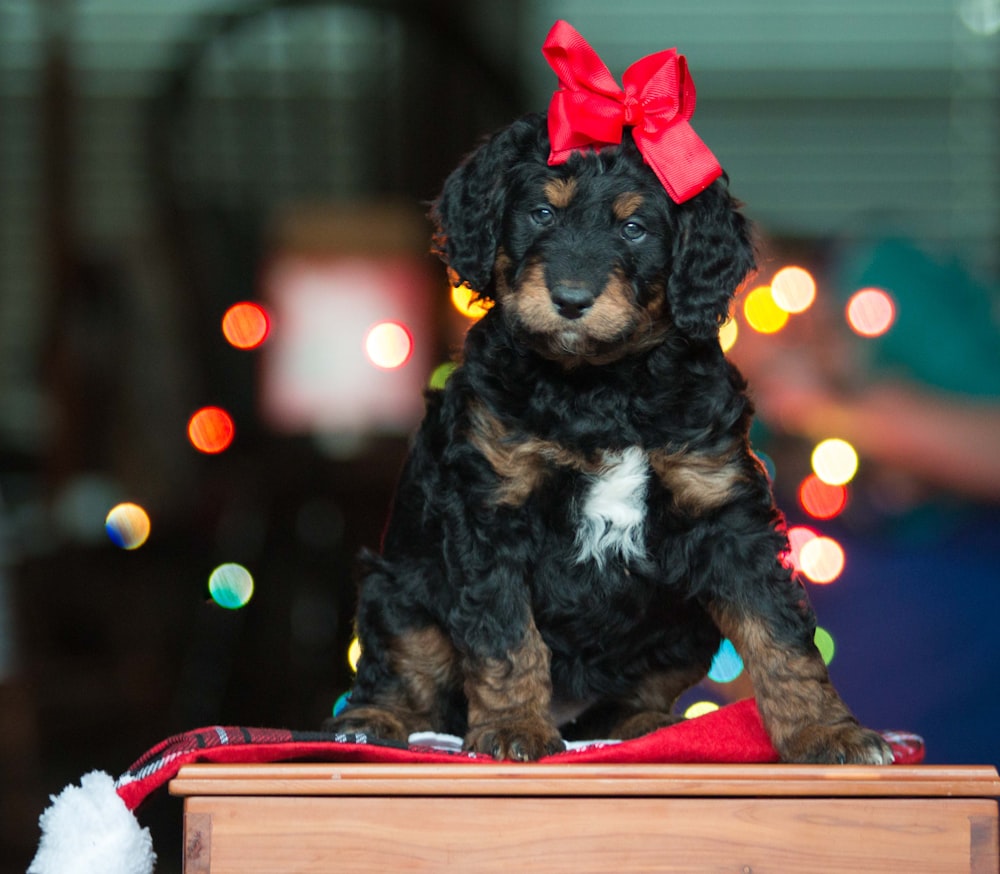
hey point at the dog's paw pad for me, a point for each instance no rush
(516, 742)
(849, 744)
(371, 721)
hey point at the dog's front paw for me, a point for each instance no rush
(841, 744)
(374, 722)
(520, 740)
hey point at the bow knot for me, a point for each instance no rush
(633, 111)
(656, 99)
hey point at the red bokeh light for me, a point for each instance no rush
(211, 430)
(821, 500)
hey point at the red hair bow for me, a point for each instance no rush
(590, 110)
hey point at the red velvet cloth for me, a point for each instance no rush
(731, 735)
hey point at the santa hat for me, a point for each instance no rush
(92, 828)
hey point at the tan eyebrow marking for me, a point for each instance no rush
(626, 204)
(560, 191)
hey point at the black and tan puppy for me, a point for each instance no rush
(581, 519)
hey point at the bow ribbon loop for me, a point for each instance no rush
(656, 99)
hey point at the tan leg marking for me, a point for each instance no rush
(427, 666)
(805, 717)
(651, 705)
(509, 703)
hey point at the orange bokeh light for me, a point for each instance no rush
(464, 299)
(211, 430)
(246, 325)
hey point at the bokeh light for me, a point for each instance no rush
(762, 313)
(770, 468)
(440, 374)
(464, 299)
(821, 500)
(870, 312)
(389, 345)
(835, 461)
(341, 704)
(211, 430)
(726, 664)
(354, 654)
(231, 586)
(822, 559)
(793, 289)
(824, 643)
(982, 17)
(798, 535)
(127, 525)
(246, 325)
(728, 333)
(700, 708)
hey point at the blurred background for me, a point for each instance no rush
(217, 316)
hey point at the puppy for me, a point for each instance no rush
(581, 519)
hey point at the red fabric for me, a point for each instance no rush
(590, 110)
(731, 735)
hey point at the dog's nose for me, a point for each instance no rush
(572, 301)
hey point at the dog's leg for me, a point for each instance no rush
(424, 669)
(509, 701)
(802, 712)
(651, 705)
(648, 707)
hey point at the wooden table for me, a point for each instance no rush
(575, 819)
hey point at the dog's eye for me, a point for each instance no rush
(542, 216)
(633, 231)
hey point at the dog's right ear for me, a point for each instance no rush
(468, 214)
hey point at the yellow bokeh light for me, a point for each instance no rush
(389, 345)
(793, 289)
(464, 299)
(728, 334)
(127, 525)
(835, 461)
(700, 708)
(354, 654)
(762, 313)
(822, 559)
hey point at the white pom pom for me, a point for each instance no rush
(88, 830)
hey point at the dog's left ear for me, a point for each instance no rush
(469, 211)
(713, 253)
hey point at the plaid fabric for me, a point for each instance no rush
(733, 734)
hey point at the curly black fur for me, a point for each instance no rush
(581, 518)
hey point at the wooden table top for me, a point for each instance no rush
(486, 779)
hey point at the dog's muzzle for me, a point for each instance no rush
(572, 301)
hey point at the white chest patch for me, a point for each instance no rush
(613, 514)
